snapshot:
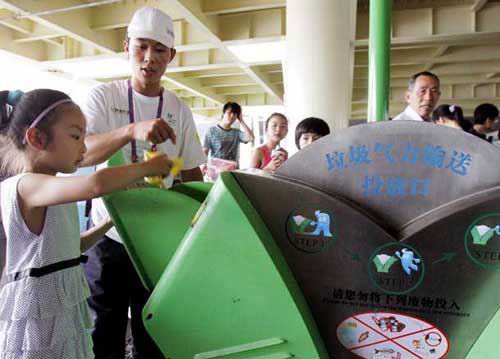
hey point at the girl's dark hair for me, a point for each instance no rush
(451, 112)
(4, 107)
(30, 105)
(275, 114)
(311, 125)
(16, 118)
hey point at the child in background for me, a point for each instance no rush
(43, 304)
(451, 116)
(309, 130)
(269, 157)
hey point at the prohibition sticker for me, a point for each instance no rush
(386, 335)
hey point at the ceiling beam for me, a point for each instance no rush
(221, 7)
(227, 72)
(195, 86)
(463, 101)
(118, 15)
(38, 38)
(225, 81)
(264, 81)
(75, 24)
(477, 38)
(23, 26)
(459, 79)
(52, 11)
(240, 90)
(187, 68)
(445, 69)
(216, 69)
(193, 13)
(441, 51)
(478, 5)
(456, 54)
(33, 51)
(7, 19)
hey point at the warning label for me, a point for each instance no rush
(386, 335)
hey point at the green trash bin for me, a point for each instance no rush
(228, 292)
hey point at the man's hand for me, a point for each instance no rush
(154, 131)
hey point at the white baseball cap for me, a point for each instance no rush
(151, 23)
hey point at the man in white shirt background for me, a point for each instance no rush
(422, 97)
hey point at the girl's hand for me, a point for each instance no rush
(159, 165)
(274, 164)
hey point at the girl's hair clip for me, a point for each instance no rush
(452, 108)
(14, 97)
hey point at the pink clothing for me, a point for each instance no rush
(269, 155)
(266, 156)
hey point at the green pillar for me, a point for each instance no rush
(379, 52)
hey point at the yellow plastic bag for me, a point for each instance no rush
(177, 165)
(153, 180)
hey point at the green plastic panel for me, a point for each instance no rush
(117, 159)
(195, 190)
(228, 292)
(486, 347)
(152, 223)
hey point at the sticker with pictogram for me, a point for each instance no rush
(387, 335)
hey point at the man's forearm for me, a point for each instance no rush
(102, 146)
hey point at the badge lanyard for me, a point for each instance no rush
(132, 117)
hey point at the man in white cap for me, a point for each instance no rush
(132, 115)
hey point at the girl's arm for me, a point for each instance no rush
(256, 158)
(88, 238)
(40, 190)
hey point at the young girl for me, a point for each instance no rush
(270, 156)
(451, 116)
(309, 130)
(43, 307)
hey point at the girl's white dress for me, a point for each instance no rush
(46, 317)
